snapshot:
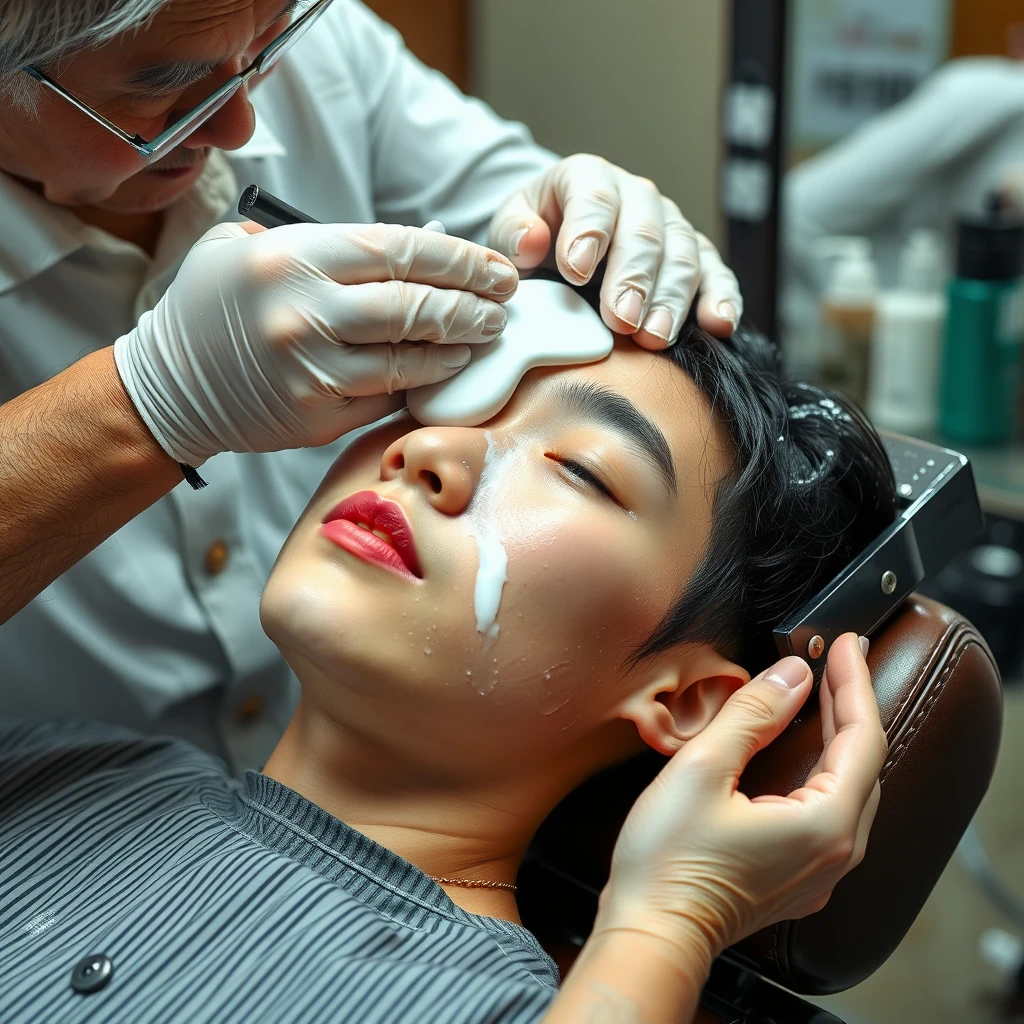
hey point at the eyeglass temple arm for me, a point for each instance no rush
(133, 140)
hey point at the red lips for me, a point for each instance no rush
(398, 553)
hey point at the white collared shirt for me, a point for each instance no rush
(158, 628)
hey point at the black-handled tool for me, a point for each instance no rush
(268, 211)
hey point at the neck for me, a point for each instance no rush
(142, 229)
(463, 829)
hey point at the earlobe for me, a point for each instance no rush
(677, 703)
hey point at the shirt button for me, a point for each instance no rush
(92, 973)
(250, 709)
(216, 558)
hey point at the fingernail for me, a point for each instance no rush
(727, 311)
(582, 255)
(865, 644)
(516, 240)
(629, 306)
(454, 356)
(788, 673)
(659, 323)
(504, 278)
(495, 321)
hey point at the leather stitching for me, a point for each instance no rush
(792, 928)
(922, 713)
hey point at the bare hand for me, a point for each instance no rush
(699, 864)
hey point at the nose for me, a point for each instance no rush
(231, 127)
(445, 463)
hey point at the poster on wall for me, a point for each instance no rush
(851, 59)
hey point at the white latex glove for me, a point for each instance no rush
(701, 866)
(656, 260)
(288, 338)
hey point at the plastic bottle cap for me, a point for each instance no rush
(990, 247)
(853, 281)
(922, 262)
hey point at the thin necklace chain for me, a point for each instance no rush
(474, 883)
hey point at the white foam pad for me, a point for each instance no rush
(549, 324)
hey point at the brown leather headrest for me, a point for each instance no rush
(939, 693)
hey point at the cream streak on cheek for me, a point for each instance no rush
(482, 525)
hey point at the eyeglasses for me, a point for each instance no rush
(185, 126)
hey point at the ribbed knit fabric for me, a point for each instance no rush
(223, 901)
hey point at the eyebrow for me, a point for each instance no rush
(172, 76)
(599, 405)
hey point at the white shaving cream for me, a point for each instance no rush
(481, 520)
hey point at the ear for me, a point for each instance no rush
(680, 696)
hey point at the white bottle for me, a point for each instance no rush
(907, 344)
(847, 314)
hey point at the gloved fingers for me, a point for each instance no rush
(676, 283)
(363, 253)
(522, 229)
(577, 200)
(393, 311)
(224, 232)
(586, 190)
(377, 369)
(852, 761)
(721, 305)
(636, 258)
(749, 720)
(350, 414)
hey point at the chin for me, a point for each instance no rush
(305, 613)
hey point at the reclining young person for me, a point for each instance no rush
(660, 512)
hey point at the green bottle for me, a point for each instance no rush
(981, 358)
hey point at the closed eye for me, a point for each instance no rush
(581, 473)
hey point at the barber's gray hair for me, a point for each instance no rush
(42, 31)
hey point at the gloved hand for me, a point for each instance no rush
(701, 866)
(656, 261)
(288, 338)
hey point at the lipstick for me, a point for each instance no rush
(375, 530)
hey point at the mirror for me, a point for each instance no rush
(900, 119)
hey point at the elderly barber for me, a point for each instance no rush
(126, 130)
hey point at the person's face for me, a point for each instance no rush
(142, 82)
(600, 532)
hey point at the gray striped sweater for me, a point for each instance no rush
(138, 869)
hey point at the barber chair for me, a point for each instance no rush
(940, 697)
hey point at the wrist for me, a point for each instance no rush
(140, 454)
(157, 401)
(674, 933)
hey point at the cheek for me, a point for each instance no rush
(575, 605)
(93, 176)
(583, 579)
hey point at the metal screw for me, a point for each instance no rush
(816, 646)
(888, 581)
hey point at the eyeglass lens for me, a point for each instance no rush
(198, 117)
(272, 55)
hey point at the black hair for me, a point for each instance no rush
(809, 487)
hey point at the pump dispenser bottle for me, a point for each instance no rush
(981, 358)
(903, 392)
(847, 314)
